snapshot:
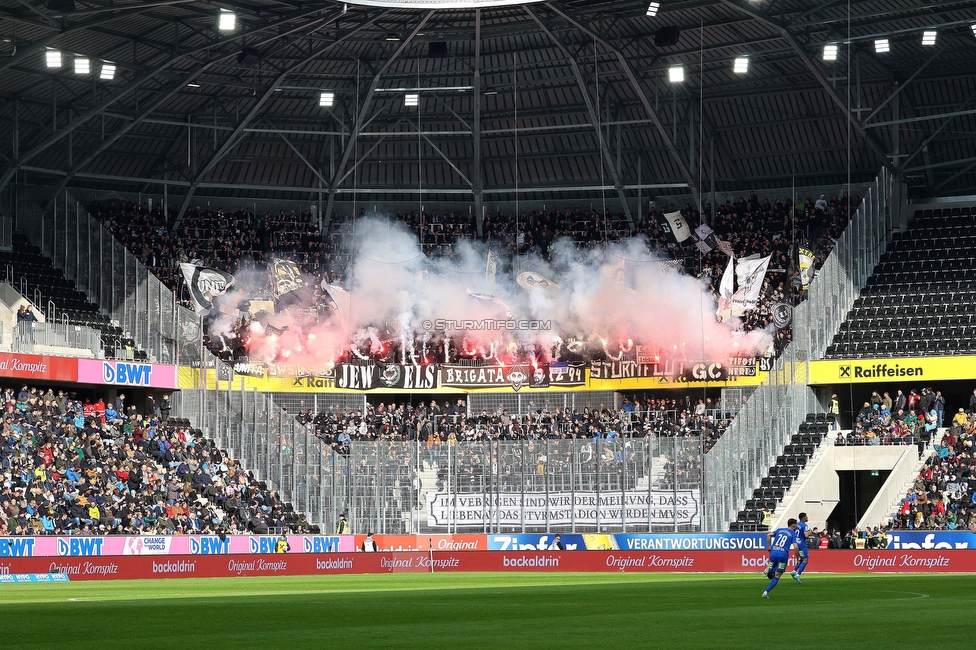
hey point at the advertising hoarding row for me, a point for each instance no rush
(429, 561)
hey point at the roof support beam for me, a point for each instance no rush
(648, 106)
(443, 155)
(872, 141)
(238, 133)
(936, 132)
(907, 83)
(166, 94)
(364, 111)
(594, 115)
(171, 90)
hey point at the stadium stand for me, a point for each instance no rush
(28, 271)
(436, 423)
(917, 301)
(781, 476)
(76, 467)
(233, 241)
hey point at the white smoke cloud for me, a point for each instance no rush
(611, 298)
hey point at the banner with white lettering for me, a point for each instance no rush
(665, 507)
(386, 375)
(540, 375)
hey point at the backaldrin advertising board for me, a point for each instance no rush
(420, 561)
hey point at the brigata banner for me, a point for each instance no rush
(421, 561)
(565, 508)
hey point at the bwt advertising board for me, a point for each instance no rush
(216, 566)
(126, 373)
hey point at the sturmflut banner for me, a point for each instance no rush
(583, 508)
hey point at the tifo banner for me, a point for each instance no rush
(565, 508)
(386, 375)
(126, 373)
(516, 377)
(168, 545)
(426, 561)
(856, 371)
(681, 371)
(31, 366)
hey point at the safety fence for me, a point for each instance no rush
(650, 484)
(33, 337)
(114, 279)
(773, 412)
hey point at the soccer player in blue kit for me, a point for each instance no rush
(779, 542)
(801, 542)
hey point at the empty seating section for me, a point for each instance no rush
(33, 274)
(919, 299)
(781, 476)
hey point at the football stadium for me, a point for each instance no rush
(487, 322)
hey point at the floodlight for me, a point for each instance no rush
(881, 46)
(652, 9)
(830, 52)
(227, 21)
(741, 65)
(326, 99)
(53, 58)
(411, 100)
(108, 72)
(676, 74)
(928, 37)
(82, 65)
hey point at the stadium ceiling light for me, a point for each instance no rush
(411, 100)
(830, 52)
(652, 9)
(928, 37)
(973, 27)
(227, 21)
(676, 74)
(326, 99)
(108, 72)
(393, 38)
(741, 65)
(193, 84)
(881, 46)
(53, 58)
(82, 65)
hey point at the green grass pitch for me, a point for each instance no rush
(492, 610)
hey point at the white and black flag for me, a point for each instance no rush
(205, 284)
(676, 226)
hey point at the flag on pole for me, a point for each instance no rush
(205, 284)
(807, 268)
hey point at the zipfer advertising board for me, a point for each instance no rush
(215, 566)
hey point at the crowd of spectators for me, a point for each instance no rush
(71, 466)
(433, 424)
(944, 494)
(241, 240)
(900, 419)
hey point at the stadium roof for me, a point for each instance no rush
(240, 113)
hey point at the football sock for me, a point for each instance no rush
(772, 583)
(801, 567)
